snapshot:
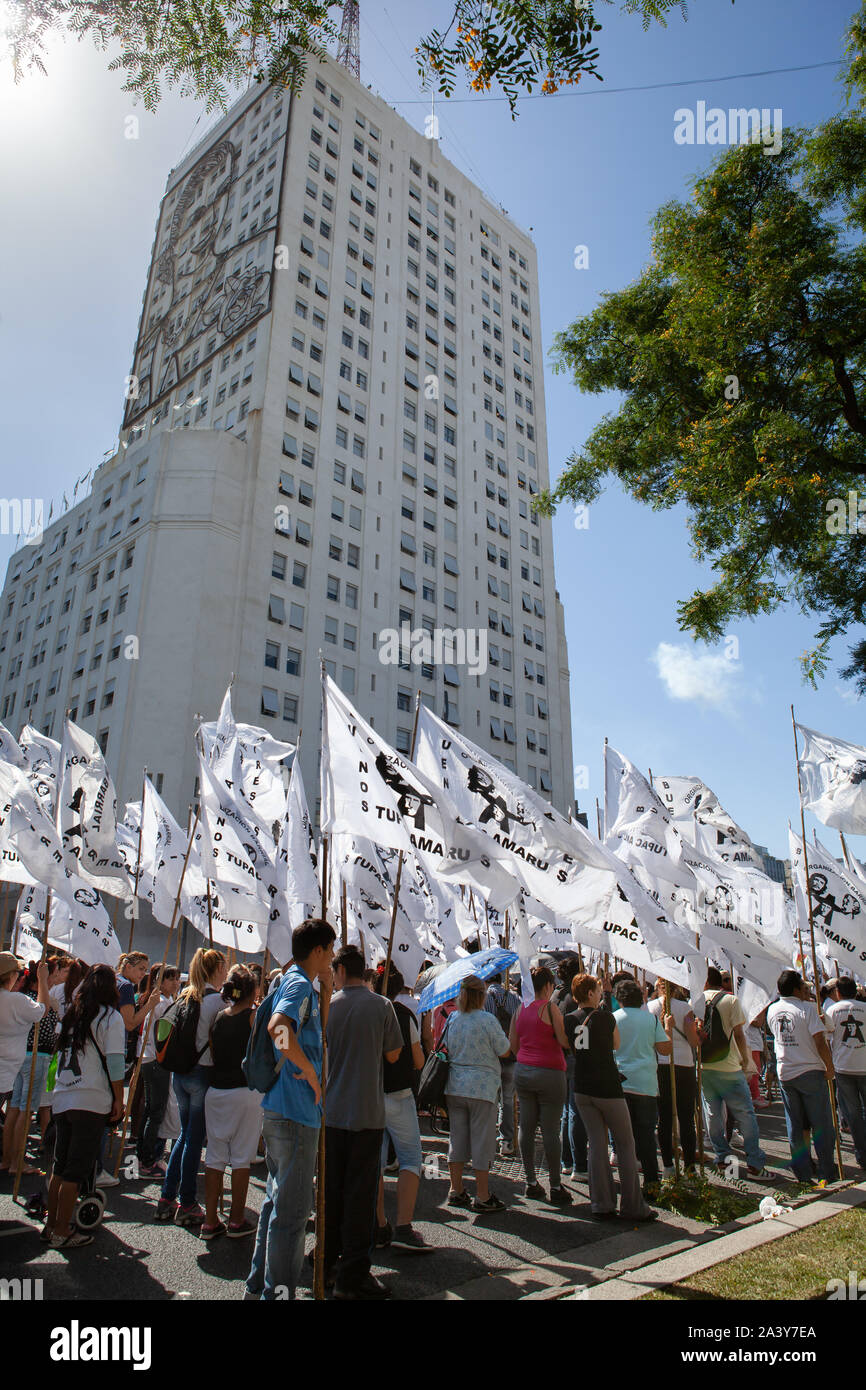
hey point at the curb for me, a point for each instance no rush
(751, 1235)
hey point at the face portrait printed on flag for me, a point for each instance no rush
(833, 779)
(369, 790)
(838, 900)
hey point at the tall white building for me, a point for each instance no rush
(335, 428)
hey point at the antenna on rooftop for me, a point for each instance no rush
(349, 50)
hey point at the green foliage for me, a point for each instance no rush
(206, 47)
(209, 47)
(740, 356)
(697, 1198)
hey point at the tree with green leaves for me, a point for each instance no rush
(209, 47)
(740, 358)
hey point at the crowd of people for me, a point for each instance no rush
(614, 1074)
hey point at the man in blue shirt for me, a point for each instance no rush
(293, 1112)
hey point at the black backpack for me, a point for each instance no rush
(715, 1042)
(175, 1037)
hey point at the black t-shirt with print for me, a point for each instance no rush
(595, 1069)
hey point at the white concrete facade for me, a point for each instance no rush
(335, 428)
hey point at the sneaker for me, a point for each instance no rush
(567, 1174)
(237, 1229)
(759, 1174)
(535, 1192)
(602, 1216)
(560, 1197)
(189, 1216)
(211, 1232)
(382, 1238)
(369, 1289)
(506, 1150)
(492, 1204)
(73, 1241)
(107, 1180)
(640, 1220)
(668, 1170)
(46, 1234)
(760, 1103)
(151, 1170)
(166, 1208)
(459, 1199)
(407, 1238)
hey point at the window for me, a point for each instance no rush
(299, 575)
(331, 630)
(270, 702)
(293, 661)
(290, 709)
(296, 616)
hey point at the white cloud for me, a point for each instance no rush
(848, 693)
(690, 673)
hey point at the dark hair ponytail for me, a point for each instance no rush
(98, 991)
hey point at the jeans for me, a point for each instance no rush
(541, 1093)
(806, 1099)
(686, 1091)
(290, 1155)
(506, 1103)
(644, 1111)
(351, 1189)
(731, 1089)
(574, 1141)
(182, 1170)
(851, 1089)
(156, 1083)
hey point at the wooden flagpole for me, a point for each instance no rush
(675, 1119)
(133, 1081)
(602, 831)
(137, 866)
(812, 935)
(19, 1167)
(319, 1254)
(344, 915)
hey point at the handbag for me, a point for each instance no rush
(434, 1075)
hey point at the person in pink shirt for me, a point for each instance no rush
(537, 1040)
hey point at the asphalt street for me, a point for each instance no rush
(133, 1259)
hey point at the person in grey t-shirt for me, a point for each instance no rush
(362, 1030)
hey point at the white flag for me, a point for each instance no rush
(87, 811)
(833, 775)
(249, 762)
(696, 812)
(41, 765)
(547, 853)
(79, 923)
(234, 850)
(12, 869)
(9, 750)
(368, 871)
(370, 790)
(32, 832)
(838, 904)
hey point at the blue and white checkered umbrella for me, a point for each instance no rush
(447, 983)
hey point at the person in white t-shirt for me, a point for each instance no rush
(154, 1080)
(804, 1066)
(685, 1039)
(18, 1014)
(88, 1095)
(846, 1020)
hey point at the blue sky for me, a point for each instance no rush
(587, 168)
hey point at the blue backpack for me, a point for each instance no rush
(259, 1066)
